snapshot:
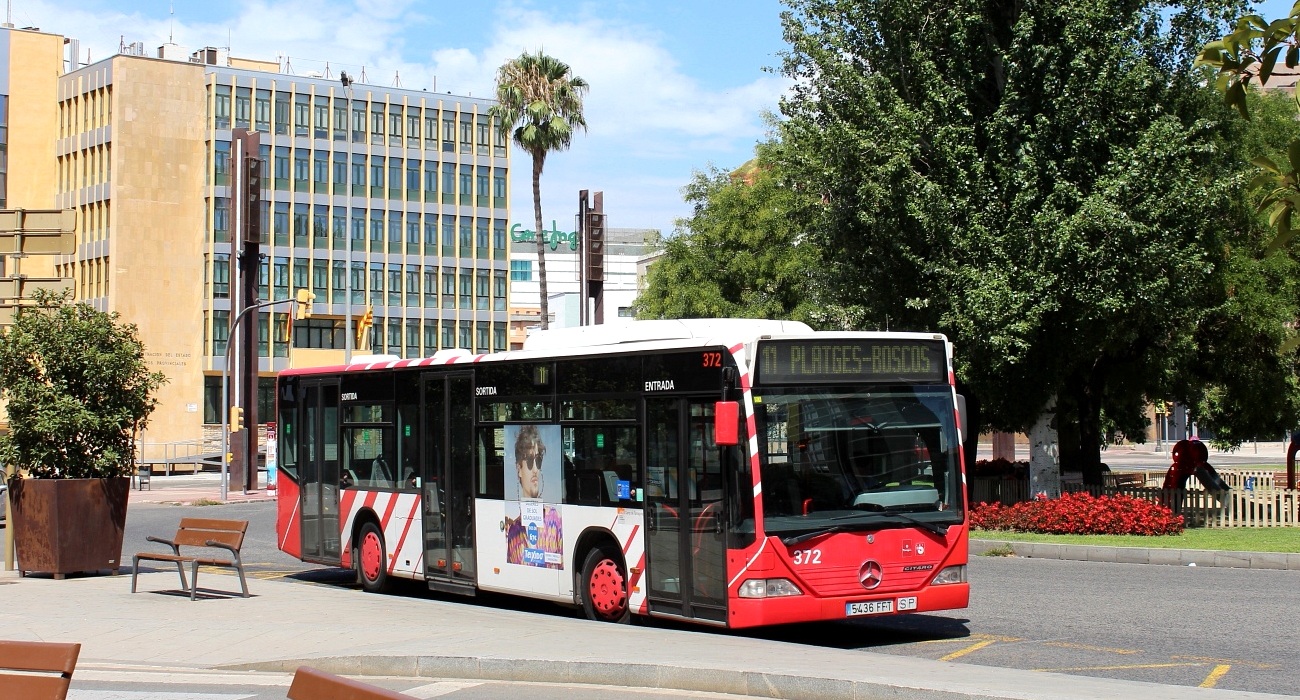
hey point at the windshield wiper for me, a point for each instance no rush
(798, 539)
(880, 511)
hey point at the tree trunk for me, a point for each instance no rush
(541, 238)
(1081, 427)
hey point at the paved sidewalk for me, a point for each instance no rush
(189, 488)
(1141, 555)
(342, 630)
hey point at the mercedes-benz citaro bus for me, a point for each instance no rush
(731, 472)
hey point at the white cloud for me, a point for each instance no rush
(650, 122)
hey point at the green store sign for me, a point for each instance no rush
(554, 237)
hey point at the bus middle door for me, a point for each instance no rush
(685, 524)
(448, 482)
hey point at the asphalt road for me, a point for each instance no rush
(1216, 627)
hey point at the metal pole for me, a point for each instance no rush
(225, 374)
(347, 204)
(9, 519)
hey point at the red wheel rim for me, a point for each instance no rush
(608, 590)
(371, 556)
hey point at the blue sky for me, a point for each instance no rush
(676, 85)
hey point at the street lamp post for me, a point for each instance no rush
(347, 205)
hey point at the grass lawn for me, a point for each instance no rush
(1239, 539)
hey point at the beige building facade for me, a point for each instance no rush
(397, 197)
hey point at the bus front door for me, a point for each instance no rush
(448, 484)
(319, 447)
(685, 526)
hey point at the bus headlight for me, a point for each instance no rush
(768, 588)
(950, 574)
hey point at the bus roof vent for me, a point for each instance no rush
(733, 329)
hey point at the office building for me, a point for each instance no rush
(396, 196)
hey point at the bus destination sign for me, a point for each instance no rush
(847, 360)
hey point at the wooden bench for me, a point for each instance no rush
(37, 670)
(310, 684)
(199, 532)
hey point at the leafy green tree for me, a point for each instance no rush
(1050, 184)
(78, 390)
(738, 255)
(541, 100)
(1247, 55)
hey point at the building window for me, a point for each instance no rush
(282, 168)
(221, 276)
(466, 289)
(322, 114)
(301, 169)
(626, 312)
(466, 137)
(481, 192)
(449, 236)
(339, 272)
(521, 270)
(430, 287)
(301, 115)
(262, 111)
(481, 285)
(318, 333)
(466, 185)
(498, 187)
(377, 284)
(243, 108)
(220, 332)
(281, 113)
(221, 164)
(498, 292)
(221, 220)
(221, 110)
(394, 285)
(448, 136)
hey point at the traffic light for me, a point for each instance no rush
(595, 246)
(252, 209)
(305, 299)
(236, 419)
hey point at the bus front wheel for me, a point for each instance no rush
(604, 587)
(370, 559)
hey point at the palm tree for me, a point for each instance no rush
(540, 98)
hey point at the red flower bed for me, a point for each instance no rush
(1079, 514)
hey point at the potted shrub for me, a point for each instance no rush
(77, 393)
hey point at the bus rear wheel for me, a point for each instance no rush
(370, 559)
(604, 587)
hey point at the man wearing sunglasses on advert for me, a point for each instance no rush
(529, 451)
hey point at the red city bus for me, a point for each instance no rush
(730, 472)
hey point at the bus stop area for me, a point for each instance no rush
(343, 630)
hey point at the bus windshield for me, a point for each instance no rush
(854, 460)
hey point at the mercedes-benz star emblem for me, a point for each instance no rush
(870, 574)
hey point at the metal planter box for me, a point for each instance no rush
(65, 526)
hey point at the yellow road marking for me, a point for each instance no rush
(967, 638)
(1112, 668)
(1212, 660)
(972, 648)
(1086, 647)
(1212, 679)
